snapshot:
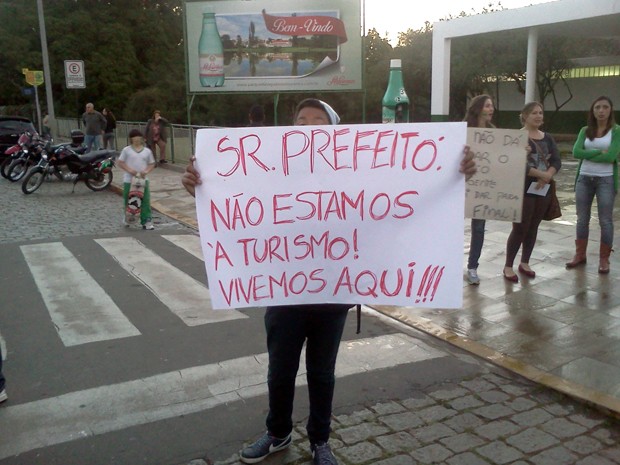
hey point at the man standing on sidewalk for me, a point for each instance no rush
(94, 126)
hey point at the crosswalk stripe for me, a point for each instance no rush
(188, 242)
(114, 407)
(80, 309)
(186, 297)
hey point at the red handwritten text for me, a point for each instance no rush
(334, 149)
(241, 213)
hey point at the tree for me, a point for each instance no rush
(376, 71)
(21, 50)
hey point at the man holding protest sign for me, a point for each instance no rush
(319, 326)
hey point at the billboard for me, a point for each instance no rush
(273, 45)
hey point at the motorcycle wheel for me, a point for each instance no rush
(101, 182)
(17, 169)
(4, 167)
(33, 180)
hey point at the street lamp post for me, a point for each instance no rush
(46, 66)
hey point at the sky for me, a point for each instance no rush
(394, 16)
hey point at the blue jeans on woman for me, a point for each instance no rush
(601, 187)
(477, 241)
(288, 327)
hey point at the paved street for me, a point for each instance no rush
(54, 212)
(144, 379)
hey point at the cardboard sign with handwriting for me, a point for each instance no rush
(495, 192)
(333, 214)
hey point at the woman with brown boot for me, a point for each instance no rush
(597, 147)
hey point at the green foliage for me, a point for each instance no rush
(129, 48)
(21, 49)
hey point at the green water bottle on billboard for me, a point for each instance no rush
(395, 101)
(210, 53)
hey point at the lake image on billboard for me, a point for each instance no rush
(252, 50)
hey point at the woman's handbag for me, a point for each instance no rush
(553, 211)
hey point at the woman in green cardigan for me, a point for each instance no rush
(597, 147)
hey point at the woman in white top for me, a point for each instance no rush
(597, 147)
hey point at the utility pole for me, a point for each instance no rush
(46, 67)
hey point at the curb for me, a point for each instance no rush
(600, 400)
(604, 402)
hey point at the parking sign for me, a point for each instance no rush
(74, 74)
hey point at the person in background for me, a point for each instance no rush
(156, 135)
(479, 115)
(46, 129)
(137, 160)
(597, 148)
(108, 133)
(3, 395)
(256, 116)
(94, 125)
(288, 327)
(543, 162)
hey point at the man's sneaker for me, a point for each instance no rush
(148, 226)
(3, 395)
(322, 455)
(472, 276)
(264, 446)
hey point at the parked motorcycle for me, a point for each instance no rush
(94, 168)
(29, 156)
(14, 152)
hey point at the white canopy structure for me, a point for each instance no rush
(587, 18)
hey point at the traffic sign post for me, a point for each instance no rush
(35, 79)
(74, 74)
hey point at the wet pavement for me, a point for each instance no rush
(560, 329)
(559, 332)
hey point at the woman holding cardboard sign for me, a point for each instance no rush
(479, 115)
(543, 162)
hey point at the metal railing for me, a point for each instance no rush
(181, 137)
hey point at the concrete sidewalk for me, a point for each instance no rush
(561, 329)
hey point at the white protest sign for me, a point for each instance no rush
(495, 192)
(332, 214)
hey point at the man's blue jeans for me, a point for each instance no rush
(476, 243)
(288, 327)
(92, 142)
(602, 188)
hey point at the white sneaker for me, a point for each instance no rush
(3, 395)
(472, 277)
(148, 226)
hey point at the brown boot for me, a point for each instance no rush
(580, 254)
(603, 266)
